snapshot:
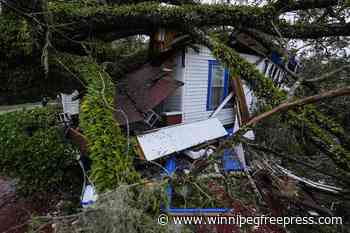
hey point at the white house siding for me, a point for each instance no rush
(196, 88)
(191, 99)
(174, 102)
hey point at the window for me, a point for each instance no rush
(218, 79)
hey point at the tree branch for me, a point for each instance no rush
(288, 157)
(285, 6)
(119, 21)
(313, 31)
(103, 19)
(327, 75)
(298, 103)
(300, 81)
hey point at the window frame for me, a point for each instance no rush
(211, 64)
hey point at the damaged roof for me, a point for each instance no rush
(144, 89)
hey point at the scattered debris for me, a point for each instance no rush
(143, 90)
(70, 103)
(89, 196)
(231, 161)
(197, 154)
(308, 182)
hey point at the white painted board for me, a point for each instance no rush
(168, 140)
(69, 105)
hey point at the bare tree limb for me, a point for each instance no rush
(328, 75)
(282, 108)
(292, 158)
(298, 103)
(300, 81)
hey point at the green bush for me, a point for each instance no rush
(33, 150)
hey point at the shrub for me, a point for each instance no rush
(33, 149)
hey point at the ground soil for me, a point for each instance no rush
(16, 211)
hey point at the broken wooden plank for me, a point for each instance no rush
(241, 98)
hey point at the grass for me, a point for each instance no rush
(18, 107)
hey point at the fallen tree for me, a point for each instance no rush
(70, 26)
(72, 38)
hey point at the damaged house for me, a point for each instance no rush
(182, 102)
(185, 84)
(183, 98)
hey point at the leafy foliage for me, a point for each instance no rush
(16, 59)
(32, 149)
(111, 165)
(16, 39)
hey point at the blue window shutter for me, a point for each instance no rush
(210, 67)
(226, 84)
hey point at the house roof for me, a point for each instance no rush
(144, 89)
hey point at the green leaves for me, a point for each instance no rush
(111, 165)
(32, 149)
(16, 38)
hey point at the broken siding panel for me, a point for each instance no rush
(196, 86)
(168, 140)
(174, 102)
